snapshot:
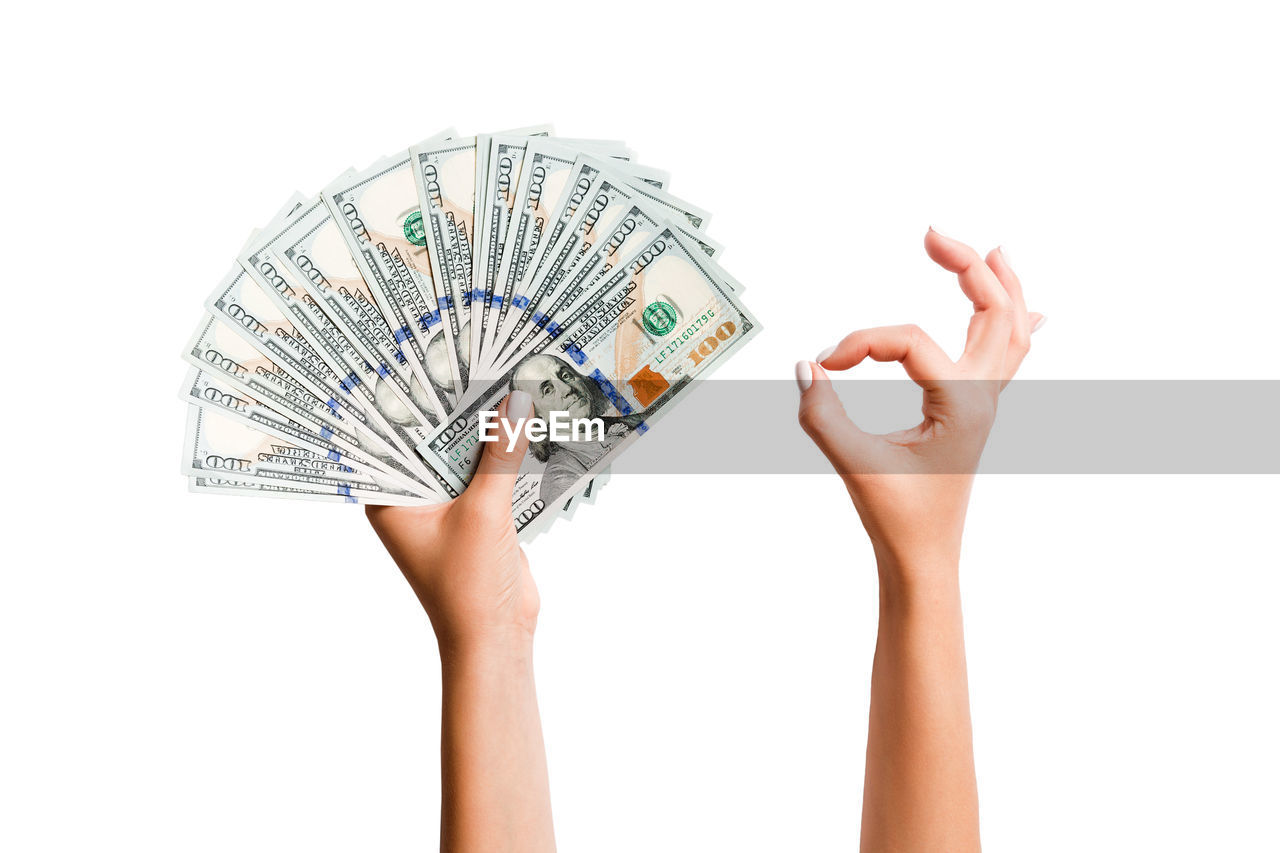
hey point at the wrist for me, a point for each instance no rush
(919, 579)
(931, 554)
(489, 645)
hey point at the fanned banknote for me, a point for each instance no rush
(360, 345)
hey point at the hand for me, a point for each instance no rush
(915, 522)
(463, 561)
(462, 558)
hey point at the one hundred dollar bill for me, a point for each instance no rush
(444, 175)
(210, 484)
(205, 389)
(662, 318)
(506, 159)
(314, 249)
(542, 182)
(263, 318)
(321, 335)
(219, 445)
(544, 175)
(223, 355)
(635, 226)
(378, 215)
(618, 215)
(581, 184)
(487, 218)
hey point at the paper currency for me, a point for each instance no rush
(378, 215)
(353, 368)
(366, 332)
(313, 250)
(252, 385)
(506, 159)
(444, 174)
(544, 172)
(494, 180)
(624, 355)
(221, 447)
(615, 212)
(261, 316)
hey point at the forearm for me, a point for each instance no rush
(920, 791)
(495, 791)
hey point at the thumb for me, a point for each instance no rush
(495, 477)
(823, 418)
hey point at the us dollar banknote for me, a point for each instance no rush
(320, 335)
(542, 182)
(506, 159)
(210, 484)
(208, 390)
(260, 314)
(224, 356)
(348, 354)
(689, 218)
(636, 225)
(378, 214)
(619, 214)
(444, 174)
(661, 319)
(580, 186)
(544, 175)
(486, 215)
(218, 445)
(314, 249)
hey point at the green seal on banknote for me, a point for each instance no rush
(659, 318)
(413, 230)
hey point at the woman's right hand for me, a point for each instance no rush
(911, 488)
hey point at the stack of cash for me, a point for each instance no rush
(358, 346)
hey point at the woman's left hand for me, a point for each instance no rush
(462, 558)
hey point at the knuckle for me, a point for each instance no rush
(970, 257)
(815, 420)
(808, 418)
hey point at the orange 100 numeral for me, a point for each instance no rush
(708, 346)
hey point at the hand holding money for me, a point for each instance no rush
(463, 561)
(462, 558)
(358, 349)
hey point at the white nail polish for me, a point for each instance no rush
(804, 375)
(1039, 323)
(519, 405)
(825, 354)
(1004, 253)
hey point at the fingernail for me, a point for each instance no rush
(936, 231)
(1004, 253)
(518, 405)
(1039, 323)
(825, 354)
(804, 375)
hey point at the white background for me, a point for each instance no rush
(198, 673)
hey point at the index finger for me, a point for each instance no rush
(924, 360)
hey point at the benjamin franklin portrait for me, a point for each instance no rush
(556, 387)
